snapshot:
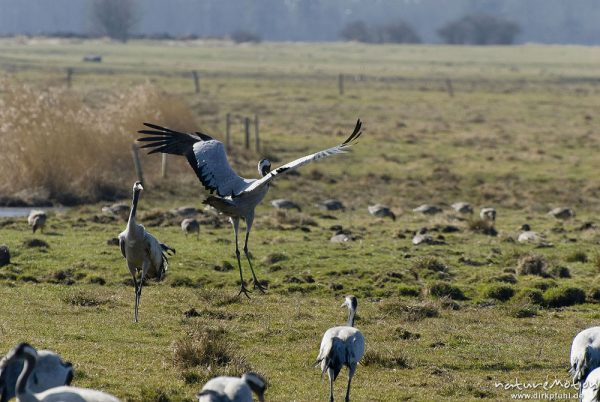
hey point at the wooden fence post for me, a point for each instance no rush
(247, 132)
(341, 83)
(256, 134)
(228, 131)
(163, 167)
(138, 165)
(449, 87)
(69, 76)
(196, 81)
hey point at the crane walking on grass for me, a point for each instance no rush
(233, 389)
(142, 251)
(27, 354)
(236, 197)
(342, 346)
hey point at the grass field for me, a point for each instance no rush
(519, 134)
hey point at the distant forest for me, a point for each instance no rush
(541, 21)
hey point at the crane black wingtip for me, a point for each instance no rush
(355, 134)
(156, 127)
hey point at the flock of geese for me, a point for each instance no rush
(41, 376)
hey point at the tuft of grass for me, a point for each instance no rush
(151, 394)
(32, 243)
(63, 276)
(524, 310)
(531, 296)
(594, 294)
(545, 284)
(409, 311)
(445, 289)
(499, 292)
(179, 281)
(387, 359)
(207, 348)
(564, 296)
(408, 290)
(28, 278)
(224, 267)
(577, 256)
(403, 333)
(274, 258)
(84, 299)
(430, 263)
(98, 280)
(532, 265)
(560, 271)
(506, 278)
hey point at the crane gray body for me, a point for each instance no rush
(142, 251)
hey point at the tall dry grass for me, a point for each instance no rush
(55, 143)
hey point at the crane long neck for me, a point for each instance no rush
(23, 393)
(134, 202)
(351, 313)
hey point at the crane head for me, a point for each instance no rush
(257, 384)
(137, 186)
(351, 302)
(264, 167)
(19, 352)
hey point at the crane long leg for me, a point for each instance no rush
(351, 370)
(257, 284)
(236, 223)
(330, 375)
(135, 308)
(139, 289)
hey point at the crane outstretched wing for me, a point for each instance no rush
(204, 154)
(341, 148)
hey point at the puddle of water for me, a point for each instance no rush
(16, 212)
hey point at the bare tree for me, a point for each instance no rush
(114, 18)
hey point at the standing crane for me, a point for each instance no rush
(50, 371)
(342, 346)
(142, 251)
(233, 389)
(237, 197)
(24, 352)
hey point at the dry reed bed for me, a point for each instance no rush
(58, 147)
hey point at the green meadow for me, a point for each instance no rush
(514, 128)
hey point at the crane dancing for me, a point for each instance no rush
(236, 196)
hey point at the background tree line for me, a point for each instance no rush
(544, 21)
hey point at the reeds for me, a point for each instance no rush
(54, 143)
